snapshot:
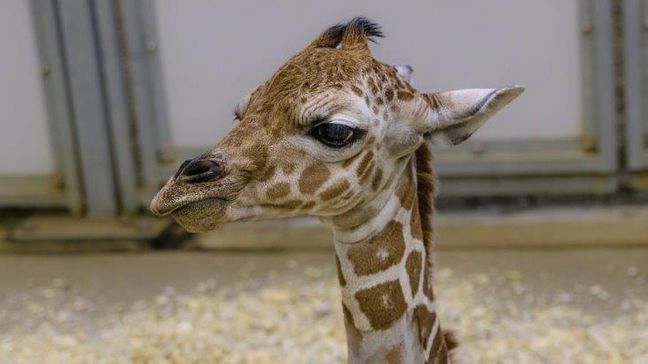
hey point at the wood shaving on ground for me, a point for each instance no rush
(292, 321)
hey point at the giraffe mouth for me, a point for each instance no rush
(185, 201)
(202, 215)
(196, 212)
(161, 207)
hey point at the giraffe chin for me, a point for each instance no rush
(203, 215)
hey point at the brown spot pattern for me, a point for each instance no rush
(368, 173)
(383, 304)
(267, 174)
(394, 356)
(347, 315)
(279, 190)
(356, 90)
(380, 252)
(415, 223)
(425, 320)
(413, 265)
(258, 154)
(427, 280)
(313, 177)
(439, 351)
(372, 84)
(288, 168)
(404, 95)
(347, 195)
(389, 94)
(377, 178)
(348, 162)
(364, 163)
(339, 271)
(450, 339)
(337, 188)
(354, 217)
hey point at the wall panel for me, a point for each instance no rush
(25, 145)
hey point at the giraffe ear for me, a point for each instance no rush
(405, 72)
(455, 115)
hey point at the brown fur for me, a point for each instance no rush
(313, 177)
(339, 272)
(452, 342)
(383, 304)
(425, 320)
(336, 189)
(366, 255)
(426, 192)
(413, 265)
(364, 163)
(364, 177)
(278, 190)
(377, 179)
(415, 223)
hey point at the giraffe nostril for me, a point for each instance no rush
(197, 168)
(182, 166)
(200, 170)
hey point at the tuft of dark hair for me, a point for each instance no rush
(369, 28)
(333, 35)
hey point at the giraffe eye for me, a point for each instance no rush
(335, 135)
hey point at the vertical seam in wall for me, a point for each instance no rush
(104, 102)
(128, 83)
(69, 104)
(623, 176)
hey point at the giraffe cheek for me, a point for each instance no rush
(313, 177)
(278, 190)
(401, 140)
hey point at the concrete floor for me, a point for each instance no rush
(109, 279)
(70, 305)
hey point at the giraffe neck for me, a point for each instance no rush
(384, 272)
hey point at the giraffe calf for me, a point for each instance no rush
(336, 134)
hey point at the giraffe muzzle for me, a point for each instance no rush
(198, 196)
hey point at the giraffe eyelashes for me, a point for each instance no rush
(336, 135)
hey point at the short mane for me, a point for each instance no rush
(332, 36)
(426, 192)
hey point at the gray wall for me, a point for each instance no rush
(214, 51)
(25, 146)
(211, 52)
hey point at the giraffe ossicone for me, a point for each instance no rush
(336, 134)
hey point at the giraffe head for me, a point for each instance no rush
(325, 135)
